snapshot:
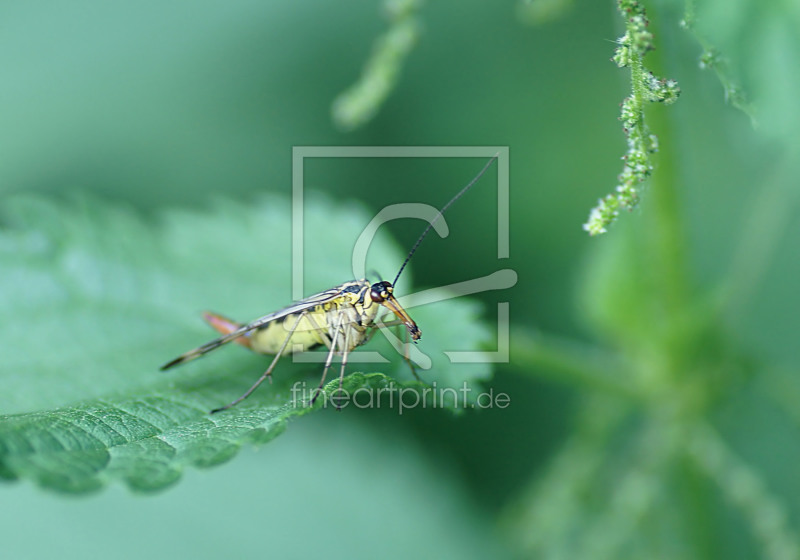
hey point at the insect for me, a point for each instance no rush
(341, 319)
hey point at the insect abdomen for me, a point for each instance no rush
(269, 338)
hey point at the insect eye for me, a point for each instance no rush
(377, 296)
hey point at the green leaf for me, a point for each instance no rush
(94, 298)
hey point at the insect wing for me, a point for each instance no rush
(302, 305)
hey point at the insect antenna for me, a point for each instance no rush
(439, 215)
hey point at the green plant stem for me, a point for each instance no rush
(667, 243)
(570, 361)
(668, 235)
(744, 487)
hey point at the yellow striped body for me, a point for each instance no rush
(353, 309)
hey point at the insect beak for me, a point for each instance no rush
(394, 306)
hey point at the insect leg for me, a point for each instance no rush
(406, 347)
(325, 338)
(345, 352)
(329, 359)
(267, 373)
(407, 356)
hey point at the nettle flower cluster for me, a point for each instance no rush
(646, 87)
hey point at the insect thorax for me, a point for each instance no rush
(353, 310)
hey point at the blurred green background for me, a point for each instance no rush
(684, 441)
